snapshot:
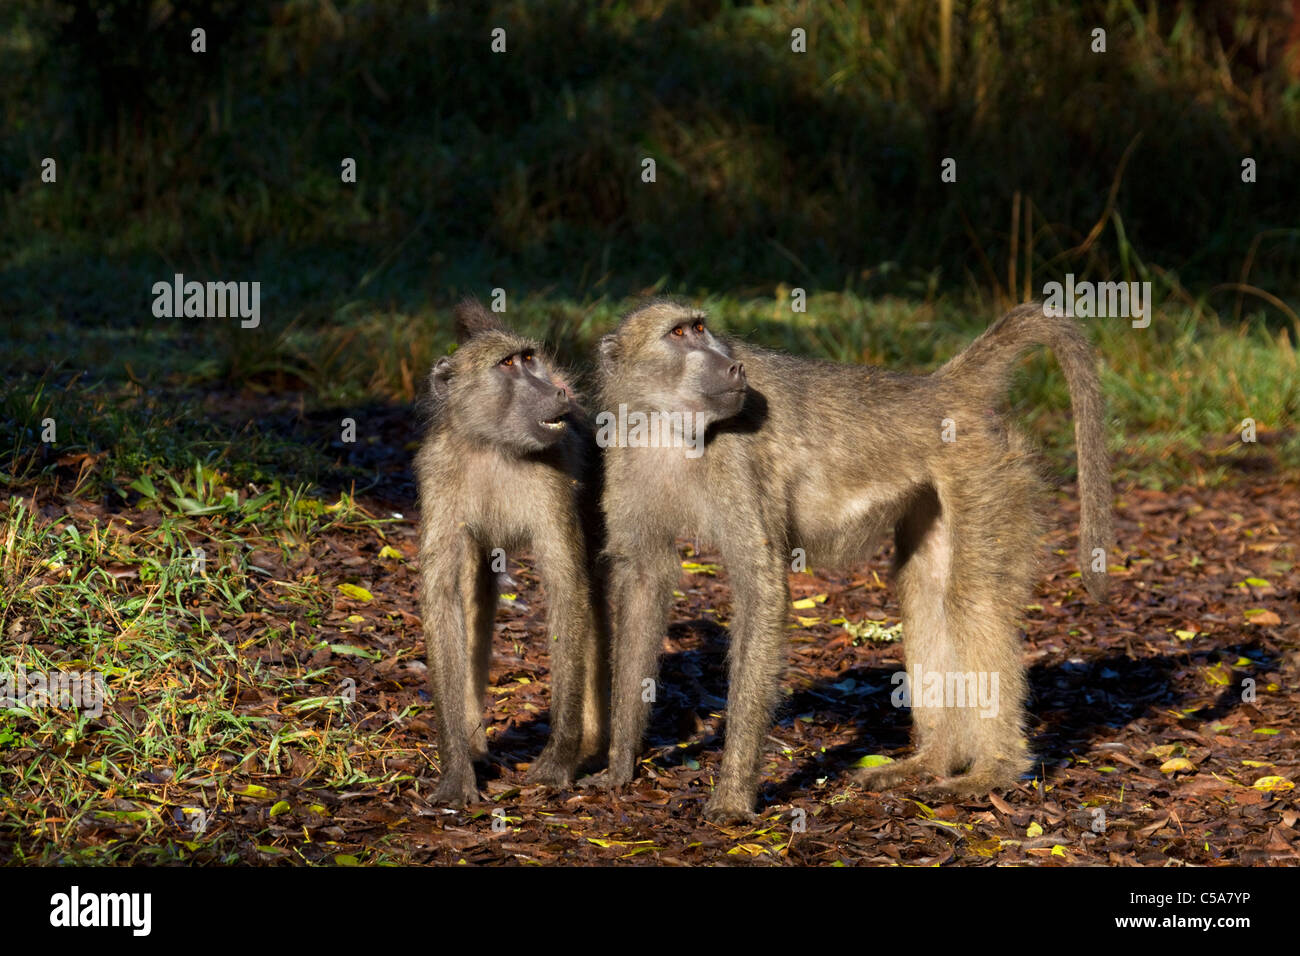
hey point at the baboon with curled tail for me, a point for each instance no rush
(832, 458)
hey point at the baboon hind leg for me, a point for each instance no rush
(922, 559)
(964, 570)
(993, 561)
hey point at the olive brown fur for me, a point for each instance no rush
(832, 459)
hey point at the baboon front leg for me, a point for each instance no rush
(480, 599)
(571, 636)
(641, 592)
(757, 659)
(447, 647)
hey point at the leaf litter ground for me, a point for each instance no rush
(1165, 723)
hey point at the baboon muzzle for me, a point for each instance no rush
(722, 374)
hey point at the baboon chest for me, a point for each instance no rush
(541, 497)
(664, 483)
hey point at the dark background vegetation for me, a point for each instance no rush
(522, 169)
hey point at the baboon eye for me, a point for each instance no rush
(528, 356)
(678, 332)
(699, 326)
(508, 361)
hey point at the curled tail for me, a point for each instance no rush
(988, 361)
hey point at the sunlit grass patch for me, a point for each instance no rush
(218, 677)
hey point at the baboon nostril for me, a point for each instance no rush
(561, 394)
(737, 371)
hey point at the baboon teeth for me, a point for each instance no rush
(555, 425)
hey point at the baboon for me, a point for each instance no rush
(508, 462)
(829, 458)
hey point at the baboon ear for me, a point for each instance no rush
(440, 378)
(608, 349)
(471, 319)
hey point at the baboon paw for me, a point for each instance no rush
(971, 786)
(727, 811)
(456, 790)
(884, 778)
(954, 788)
(607, 779)
(550, 773)
(876, 778)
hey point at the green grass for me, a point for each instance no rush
(1177, 391)
(128, 601)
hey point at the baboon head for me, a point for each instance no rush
(499, 388)
(663, 358)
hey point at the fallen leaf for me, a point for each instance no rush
(1263, 617)
(873, 760)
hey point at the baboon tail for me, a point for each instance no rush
(988, 362)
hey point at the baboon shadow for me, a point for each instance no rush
(692, 686)
(1071, 707)
(376, 464)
